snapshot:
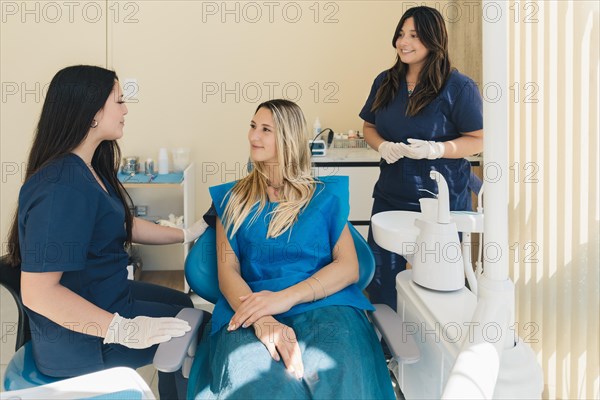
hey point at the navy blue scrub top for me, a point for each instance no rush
(68, 223)
(457, 109)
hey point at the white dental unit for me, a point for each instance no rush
(466, 339)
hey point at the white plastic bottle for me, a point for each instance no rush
(163, 161)
(316, 127)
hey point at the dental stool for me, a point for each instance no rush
(21, 371)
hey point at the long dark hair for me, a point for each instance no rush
(431, 30)
(74, 97)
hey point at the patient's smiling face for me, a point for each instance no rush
(262, 137)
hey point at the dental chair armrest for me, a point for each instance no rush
(177, 352)
(393, 329)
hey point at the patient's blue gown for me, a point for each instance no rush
(341, 354)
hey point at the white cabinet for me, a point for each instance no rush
(362, 177)
(162, 199)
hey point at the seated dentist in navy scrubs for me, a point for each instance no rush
(69, 237)
(421, 115)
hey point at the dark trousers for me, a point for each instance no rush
(151, 301)
(382, 289)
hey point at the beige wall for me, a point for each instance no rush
(30, 54)
(323, 54)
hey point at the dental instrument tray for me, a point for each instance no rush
(173, 177)
(349, 144)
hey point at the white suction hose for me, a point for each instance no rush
(466, 255)
(443, 198)
(478, 263)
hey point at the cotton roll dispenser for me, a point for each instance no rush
(437, 263)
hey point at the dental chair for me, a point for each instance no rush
(201, 274)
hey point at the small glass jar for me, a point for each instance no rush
(130, 165)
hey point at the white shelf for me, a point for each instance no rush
(163, 199)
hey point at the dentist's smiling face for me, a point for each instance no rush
(263, 146)
(408, 45)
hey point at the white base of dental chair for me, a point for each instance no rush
(439, 323)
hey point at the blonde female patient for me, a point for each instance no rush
(290, 322)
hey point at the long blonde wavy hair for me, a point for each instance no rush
(293, 163)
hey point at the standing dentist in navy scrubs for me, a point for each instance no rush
(69, 237)
(421, 115)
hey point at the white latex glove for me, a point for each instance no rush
(391, 152)
(195, 231)
(419, 149)
(143, 332)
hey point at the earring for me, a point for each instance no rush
(94, 123)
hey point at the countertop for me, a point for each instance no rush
(361, 157)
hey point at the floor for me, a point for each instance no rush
(9, 317)
(172, 279)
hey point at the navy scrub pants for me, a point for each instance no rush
(382, 289)
(152, 301)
